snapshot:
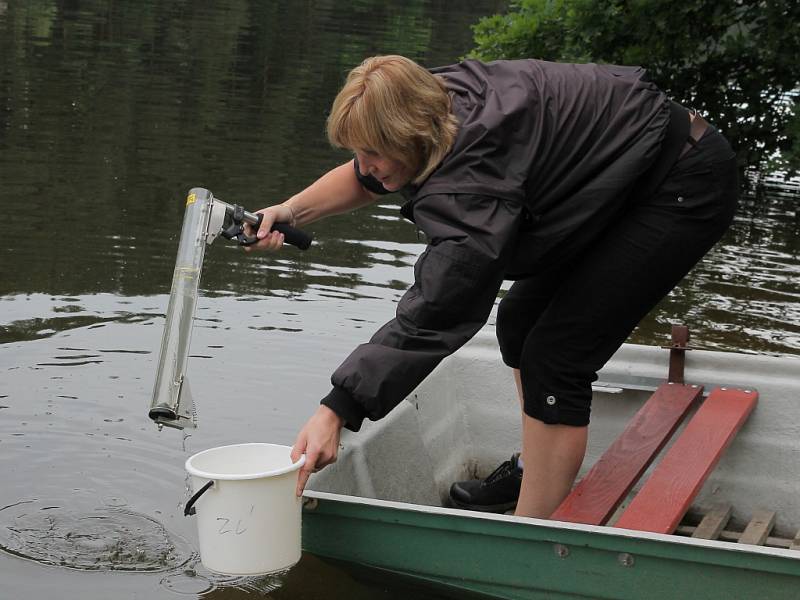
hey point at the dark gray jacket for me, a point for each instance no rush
(546, 155)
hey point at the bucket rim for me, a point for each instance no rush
(192, 470)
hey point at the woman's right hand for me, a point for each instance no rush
(267, 239)
(319, 441)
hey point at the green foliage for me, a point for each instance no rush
(734, 60)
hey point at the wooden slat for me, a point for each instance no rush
(606, 485)
(795, 545)
(759, 528)
(667, 495)
(733, 536)
(713, 522)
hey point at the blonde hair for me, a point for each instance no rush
(395, 107)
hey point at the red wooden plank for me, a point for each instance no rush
(665, 498)
(606, 485)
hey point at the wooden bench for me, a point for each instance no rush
(606, 485)
(677, 479)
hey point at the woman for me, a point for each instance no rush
(582, 183)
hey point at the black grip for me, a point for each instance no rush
(292, 235)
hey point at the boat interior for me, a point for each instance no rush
(687, 442)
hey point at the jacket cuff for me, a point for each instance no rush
(343, 404)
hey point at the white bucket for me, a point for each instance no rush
(248, 520)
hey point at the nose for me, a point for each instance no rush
(365, 164)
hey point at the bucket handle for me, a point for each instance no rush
(190, 509)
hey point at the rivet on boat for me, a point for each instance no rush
(625, 559)
(561, 550)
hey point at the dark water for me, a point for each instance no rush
(109, 112)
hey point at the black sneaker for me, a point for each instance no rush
(497, 493)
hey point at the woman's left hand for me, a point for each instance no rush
(319, 440)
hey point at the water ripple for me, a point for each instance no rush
(102, 539)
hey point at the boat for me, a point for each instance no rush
(383, 506)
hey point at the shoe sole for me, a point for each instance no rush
(492, 508)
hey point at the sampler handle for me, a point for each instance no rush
(292, 235)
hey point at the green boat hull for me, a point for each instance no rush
(509, 557)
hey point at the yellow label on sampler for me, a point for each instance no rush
(190, 199)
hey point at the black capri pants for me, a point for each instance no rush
(561, 327)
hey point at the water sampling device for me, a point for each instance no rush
(205, 219)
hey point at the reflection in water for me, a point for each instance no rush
(743, 296)
(188, 582)
(109, 113)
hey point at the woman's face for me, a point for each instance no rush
(392, 174)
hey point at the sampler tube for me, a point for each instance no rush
(172, 404)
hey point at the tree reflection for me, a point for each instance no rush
(112, 110)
